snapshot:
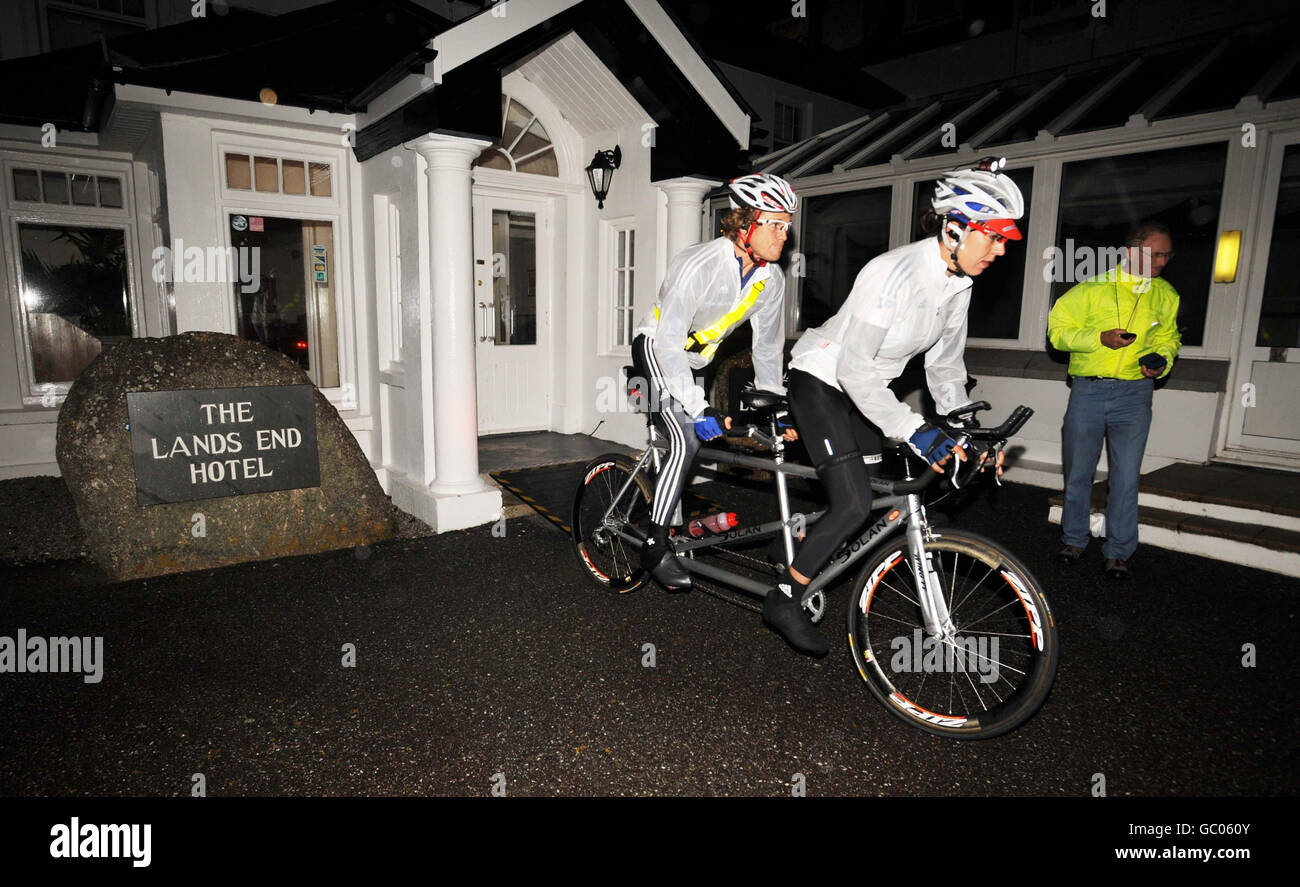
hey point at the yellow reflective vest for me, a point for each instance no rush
(1116, 300)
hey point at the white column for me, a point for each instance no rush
(461, 499)
(685, 198)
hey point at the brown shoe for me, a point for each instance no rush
(1117, 568)
(1069, 555)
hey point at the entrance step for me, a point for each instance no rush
(1249, 516)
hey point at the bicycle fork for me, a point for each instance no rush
(934, 609)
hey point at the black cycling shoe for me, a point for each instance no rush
(782, 614)
(659, 559)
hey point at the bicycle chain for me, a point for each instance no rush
(725, 594)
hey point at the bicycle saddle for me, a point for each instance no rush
(753, 399)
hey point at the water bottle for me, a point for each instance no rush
(714, 523)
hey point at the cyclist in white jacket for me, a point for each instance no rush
(710, 289)
(908, 301)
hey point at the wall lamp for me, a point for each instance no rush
(600, 172)
(1225, 257)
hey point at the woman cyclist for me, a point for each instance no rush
(908, 301)
(710, 288)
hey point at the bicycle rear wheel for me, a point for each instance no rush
(611, 561)
(986, 680)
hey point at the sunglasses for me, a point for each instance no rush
(781, 225)
(990, 234)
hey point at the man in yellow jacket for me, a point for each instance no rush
(1121, 330)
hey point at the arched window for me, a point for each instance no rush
(524, 145)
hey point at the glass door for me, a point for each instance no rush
(1265, 411)
(512, 300)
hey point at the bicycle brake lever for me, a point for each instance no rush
(962, 442)
(995, 451)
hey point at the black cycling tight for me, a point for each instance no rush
(838, 439)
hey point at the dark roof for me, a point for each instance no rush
(1211, 73)
(332, 57)
(744, 35)
(340, 55)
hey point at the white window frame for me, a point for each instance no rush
(805, 120)
(609, 311)
(304, 207)
(388, 279)
(15, 212)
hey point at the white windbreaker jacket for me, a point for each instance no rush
(902, 303)
(702, 295)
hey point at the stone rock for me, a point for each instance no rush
(130, 541)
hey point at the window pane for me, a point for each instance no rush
(533, 140)
(515, 292)
(493, 158)
(620, 251)
(56, 187)
(295, 176)
(110, 192)
(627, 327)
(27, 185)
(74, 296)
(83, 190)
(516, 116)
(999, 292)
(285, 291)
(239, 174)
(842, 232)
(543, 164)
(320, 179)
(631, 249)
(267, 173)
(1279, 314)
(1182, 187)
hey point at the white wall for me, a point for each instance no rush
(632, 194)
(1182, 423)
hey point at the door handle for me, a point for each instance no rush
(489, 315)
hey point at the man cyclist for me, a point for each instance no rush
(905, 302)
(710, 288)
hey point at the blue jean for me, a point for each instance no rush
(1119, 411)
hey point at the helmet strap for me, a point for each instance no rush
(749, 251)
(961, 238)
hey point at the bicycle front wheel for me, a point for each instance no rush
(985, 679)
(605, 505)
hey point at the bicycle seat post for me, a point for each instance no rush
(782, 495)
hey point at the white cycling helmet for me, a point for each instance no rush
(764, 192)
(982, 196)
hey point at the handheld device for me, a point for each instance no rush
(1153, 361)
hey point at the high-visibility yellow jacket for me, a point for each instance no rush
(1116, 300)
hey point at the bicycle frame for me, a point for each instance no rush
(902, 512)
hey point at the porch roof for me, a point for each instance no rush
(1216, 73)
